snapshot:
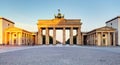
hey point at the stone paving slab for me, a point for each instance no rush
(62, 55)
(4, 49)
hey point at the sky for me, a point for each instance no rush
(26, 13)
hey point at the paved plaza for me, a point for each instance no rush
(60, 55)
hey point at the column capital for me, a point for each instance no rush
(64, 27)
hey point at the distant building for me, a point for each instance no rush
(4, 23)
(11, 35)
(17, 36)
(115, 23)
(103, 36)
(108, 35)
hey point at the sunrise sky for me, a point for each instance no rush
(26, 13)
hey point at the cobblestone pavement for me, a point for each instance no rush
(71, 55)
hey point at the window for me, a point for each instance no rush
(103, 35)
(15, 35)
(111, 23)
(8, 24)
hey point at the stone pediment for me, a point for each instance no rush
(14, 29)
(105, 28)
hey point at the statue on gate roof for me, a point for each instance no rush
(59, 15)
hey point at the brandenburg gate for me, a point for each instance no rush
(59, 23)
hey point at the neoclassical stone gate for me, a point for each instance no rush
(59, 23)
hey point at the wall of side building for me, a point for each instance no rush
(4, 24)
(118, 31)
(1, 31)
(101, 38)
(115, 24)
(15, 36)
(10, 35)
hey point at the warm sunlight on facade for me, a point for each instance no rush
(17, 36)
(4, 23)
(59, 23)
(103, 36)
(11, 35)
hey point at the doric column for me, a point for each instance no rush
(19, 38)
(10, 38)
(92, 39)
(31, 40)
(22, 38)
(64, 36)
(78, 36)
(114, 44)
(47, 36)
(71, 35)
(40, 36)
(5, 42)
(88, 39)
(54, 35)
(16, 38)
(82, 40)
(96, 39)
(101, 39)
(25, 38)
(109, 39)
